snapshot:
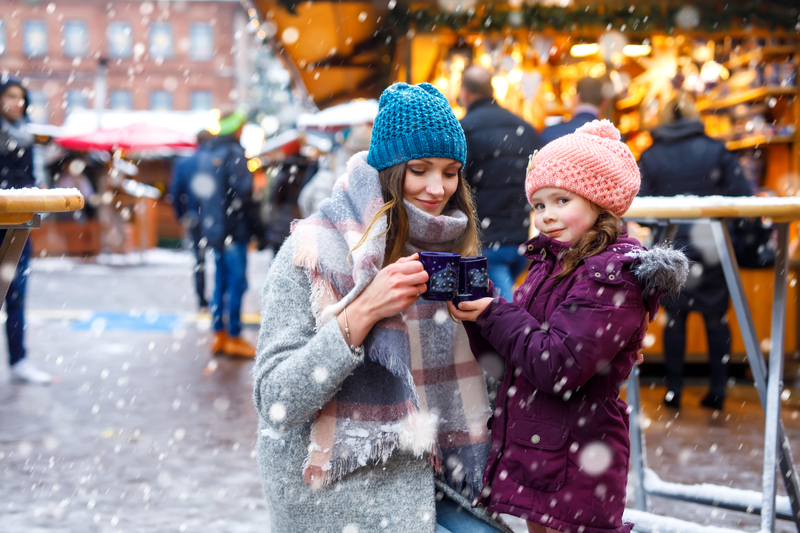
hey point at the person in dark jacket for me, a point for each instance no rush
(185, 204)
(16, 172)
(560, 445)
(223, 189)
(684, 160)
(498, 145)
(588, 101)
(296, 170)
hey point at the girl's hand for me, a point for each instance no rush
(393, 290)
(469, 310)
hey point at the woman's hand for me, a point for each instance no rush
(393, 290)
(469, 310)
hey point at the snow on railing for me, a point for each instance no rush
(651, 523)
(721, 496)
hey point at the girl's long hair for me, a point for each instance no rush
(603, 234)
(392, 180)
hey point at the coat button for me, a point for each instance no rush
(530, 247)
(535, 439)
(597, 274)
(611, 276)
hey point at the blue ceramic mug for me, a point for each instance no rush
(473, 279)
(442, 269)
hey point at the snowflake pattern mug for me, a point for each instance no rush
(473, 279)
(442, 269)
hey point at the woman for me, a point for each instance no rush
(684, 160)
(372, 408)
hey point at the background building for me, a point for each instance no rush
(166, 55)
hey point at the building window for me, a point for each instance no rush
(201, 100)
(34, 38)
(120, 40)
(160, 101)
(201, 41)
(2, 37)
(77, 99)
(76, 39)
(161, 40)
(121, 100)
(38, 106)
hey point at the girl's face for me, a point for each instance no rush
(562, 215)
(430, 182)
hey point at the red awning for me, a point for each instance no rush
(132, 137)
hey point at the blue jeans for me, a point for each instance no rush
(196, 237)
(452, 518)
(505, 264)
(230, 282)
(15, 305)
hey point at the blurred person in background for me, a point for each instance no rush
(222, 188)
(71, 174)
(16, 172)
(186, 209)
(588, 101)
(498, 145)
(331, 168)
(295, 171)
(683, 160)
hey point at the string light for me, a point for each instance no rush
(584, 50)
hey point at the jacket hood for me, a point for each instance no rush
(680, 129)
(660, 271)
(8, 81)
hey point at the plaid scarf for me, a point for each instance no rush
(420, 389)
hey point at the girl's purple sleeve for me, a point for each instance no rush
(560, 356)
(482, 349)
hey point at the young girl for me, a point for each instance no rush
(560, 446)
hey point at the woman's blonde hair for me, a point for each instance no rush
(681, 106)
(603, 234)
(392, 180)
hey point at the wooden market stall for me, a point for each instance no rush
(738, 59)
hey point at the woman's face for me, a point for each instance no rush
(430, 182)
(562, 215)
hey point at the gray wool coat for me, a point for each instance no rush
(297, 370)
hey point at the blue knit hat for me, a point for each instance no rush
(415, 121)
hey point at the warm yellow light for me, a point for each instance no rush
(583, 50)
(213, 122)
(500, 86)
(637, 50)
(516, 55)
(459, 62)
(515, 76)
(254, 23)
(253, 164)
(598, 70)
(724, 73)
(485, 60)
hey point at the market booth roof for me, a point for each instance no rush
(337, 51)
(138, 136)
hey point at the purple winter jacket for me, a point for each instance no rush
(560, 444)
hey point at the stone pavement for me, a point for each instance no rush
(145, 432)
(140, 434)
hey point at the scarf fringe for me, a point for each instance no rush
(416, 434)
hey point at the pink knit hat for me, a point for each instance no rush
(592, 163)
